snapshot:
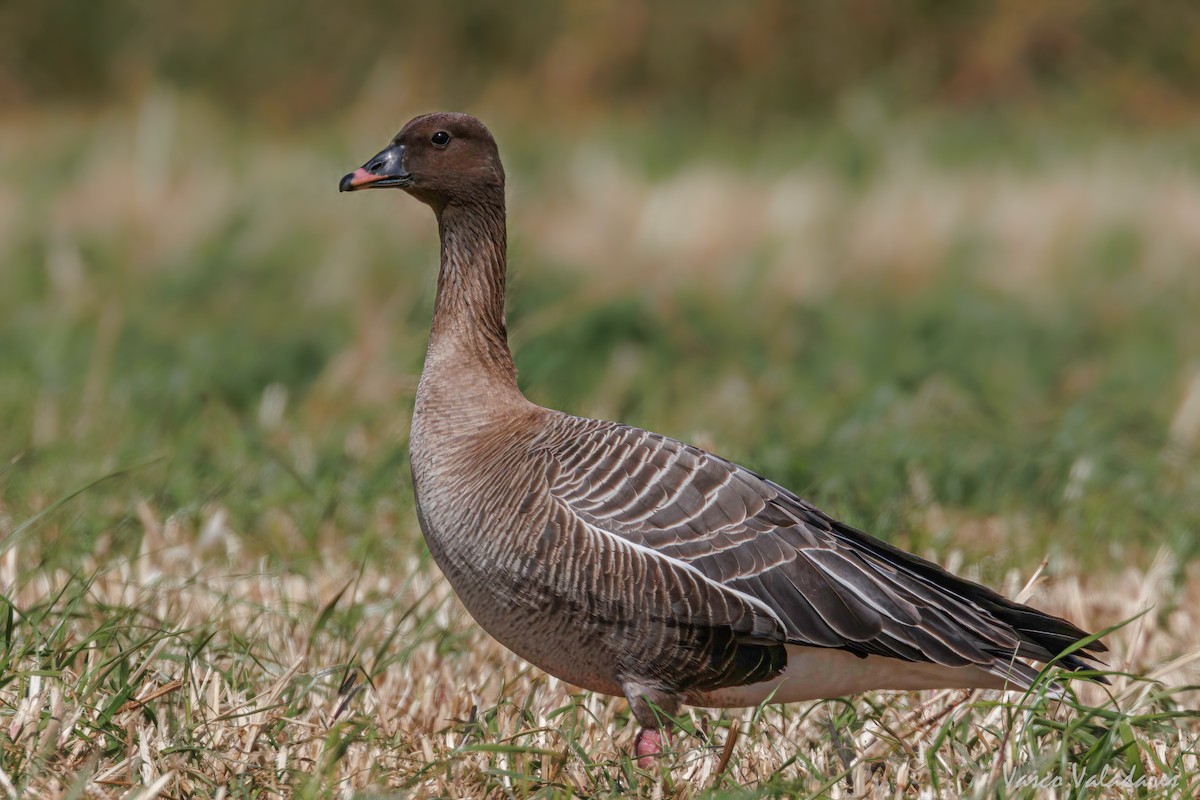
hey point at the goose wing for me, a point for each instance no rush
(826, 584)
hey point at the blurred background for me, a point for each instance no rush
(734, 65)
(934, 265)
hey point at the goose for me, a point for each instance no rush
(629, 563)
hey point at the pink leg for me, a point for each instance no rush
(648, 745)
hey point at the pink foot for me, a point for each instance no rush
(648, 745)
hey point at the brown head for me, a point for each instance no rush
(441, 159)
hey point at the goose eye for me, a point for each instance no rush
(440, 139)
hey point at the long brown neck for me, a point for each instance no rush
(469, 338)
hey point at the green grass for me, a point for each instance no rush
(978, 343)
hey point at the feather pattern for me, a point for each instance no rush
(827, 584)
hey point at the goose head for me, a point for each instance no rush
(441, 159)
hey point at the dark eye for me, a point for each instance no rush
(440, 139)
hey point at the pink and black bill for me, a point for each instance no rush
(386, 169)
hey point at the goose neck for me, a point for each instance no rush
(469, 333)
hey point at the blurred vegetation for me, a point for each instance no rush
(992, 352)
(931, 264)
(732, 64)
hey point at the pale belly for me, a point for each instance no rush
(815, 673)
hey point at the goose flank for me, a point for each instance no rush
(632, 564)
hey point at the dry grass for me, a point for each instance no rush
(233, 679)
(815, 232)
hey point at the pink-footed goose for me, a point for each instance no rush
(632, 564)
